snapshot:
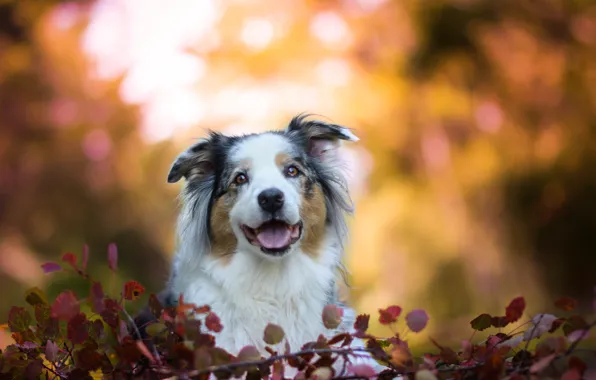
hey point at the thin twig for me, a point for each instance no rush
(54, 372)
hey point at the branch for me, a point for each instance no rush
(270, 360)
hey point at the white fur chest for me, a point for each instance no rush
(248, 294)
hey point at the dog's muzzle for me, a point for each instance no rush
(274, 237)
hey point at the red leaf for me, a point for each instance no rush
(50, 267)
(85, 256)
(133, 290)
(65, 306)
(515, 310)
(481, 322)
(361, 324)
(78, 329)
(566, 303)
(556, 324)
(51, 351)
(112, 256)
(417, 320)
(332, 316)
(70, 258)
(499, 322)
(213, 323)
(389, 315)
(571, 374)
(97, 297)
(19, 319)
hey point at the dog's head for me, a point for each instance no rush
(265, 193)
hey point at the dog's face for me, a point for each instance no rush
(269, 193)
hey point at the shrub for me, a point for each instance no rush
(61, 342)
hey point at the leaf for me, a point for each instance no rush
(85, 257)
(249, 354)
(28, 345)
(273, 334)
(322, 373)
(481, 322)
(515, 310)
(65, 306)
(541, 364)
(571, 374)
(51, 351)
(19, 319)
(78, 329)
(112, 256)
(566, 303)
(97, 329)
(499, 322)
(88, 358)
(389, 315)
(97, 297)
(34, 369)
(129, 351)
(363, 370)
(574, 323)
(50, 267)
(110, 312)
(556, 324)
(202, 358)
(417, 320)
(577, 335)
(133, 291)
(155, 329)
(213, 323)
(577, 363)
(361, 324)
(155, 307)
(70, 258)
(332, 316)
(35, 296)
(425, 374)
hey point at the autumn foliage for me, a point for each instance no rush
(56, 340)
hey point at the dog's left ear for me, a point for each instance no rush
(196, 162)
(322, 139)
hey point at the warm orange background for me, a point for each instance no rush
(474, 179)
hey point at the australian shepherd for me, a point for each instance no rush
(261, 231)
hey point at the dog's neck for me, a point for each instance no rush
(248, 292)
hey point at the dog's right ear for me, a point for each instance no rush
(196, 162)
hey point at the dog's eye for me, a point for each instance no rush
(292, 171)
(240, 179)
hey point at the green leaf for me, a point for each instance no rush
(155, 329)
(482, 322)
(273, 334)
(19, 319)
(35, 296)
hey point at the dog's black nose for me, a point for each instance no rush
(271, 200)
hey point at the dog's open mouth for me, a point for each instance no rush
(274, 236)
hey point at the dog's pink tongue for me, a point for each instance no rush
(274, 236)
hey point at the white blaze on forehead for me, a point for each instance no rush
(264, 173)
(261, 150)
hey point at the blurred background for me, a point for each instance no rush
(474, 180)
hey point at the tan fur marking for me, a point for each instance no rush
(223, 239)
(313, 213)
(281, 159)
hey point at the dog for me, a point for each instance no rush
(261, 232)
